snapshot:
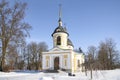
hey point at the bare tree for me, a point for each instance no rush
(21, 59)
(92, 50)
(11, 56)
(107, 54)
(103, 55)
(42, 46)
(91, 56)
(34, 55)
(12, 26)
(112, 52)
(28, 57)
(117, 60)
(90, 59)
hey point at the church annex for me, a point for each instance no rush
(62, 56)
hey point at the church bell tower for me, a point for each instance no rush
(60, 35)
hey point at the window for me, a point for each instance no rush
(78, 63)
(65, 62)
(58, 40)
(47, 63)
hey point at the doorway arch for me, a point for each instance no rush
(56, 63)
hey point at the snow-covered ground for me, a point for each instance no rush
(33, 75)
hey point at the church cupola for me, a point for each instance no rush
(60, 36)
(60, 28)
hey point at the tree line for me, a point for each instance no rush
(25, 56)
(104, 57)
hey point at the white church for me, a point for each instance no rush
(62, 56)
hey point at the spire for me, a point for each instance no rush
(60, 11)
(60, 15)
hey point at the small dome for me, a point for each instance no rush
(60, 29)
(69, 42)
(80, 50)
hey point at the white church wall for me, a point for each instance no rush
(51, 63)
(81, 61)
(72, 61)
(44, 66)
(69, 61)
(61, 61)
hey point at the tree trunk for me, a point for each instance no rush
(3, 58)
(91, 75)
(4, 47)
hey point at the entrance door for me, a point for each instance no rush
(56, 63)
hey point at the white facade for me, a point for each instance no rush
(68, 60)
(48, 64)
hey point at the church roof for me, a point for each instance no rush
(60, 29)
(69, 42)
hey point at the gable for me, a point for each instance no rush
(56, 49)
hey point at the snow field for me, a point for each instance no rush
(35, 75)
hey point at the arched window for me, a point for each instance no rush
(58, 40)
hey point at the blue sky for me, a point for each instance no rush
(87, 21)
